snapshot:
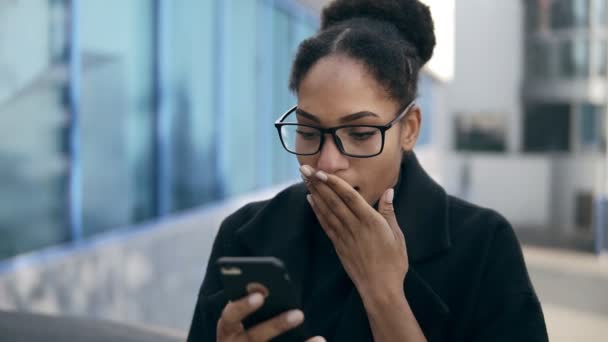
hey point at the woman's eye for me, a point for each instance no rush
(307, 135)
(362, 135)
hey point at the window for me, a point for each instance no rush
(591, 123)
(574, 58)
(531, 9)
(284, 163)
(34, 123)
(601, 57)
(547, 128)
(174, 108)
(485, 132)
(238, 140)
(117, 113)
(570, 14)
(600, 11)
(538, 58)
(194, 135)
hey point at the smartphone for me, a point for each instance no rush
(238, 273)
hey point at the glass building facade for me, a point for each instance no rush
(565, 75)
(114, 114)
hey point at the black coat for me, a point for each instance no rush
(467, 279)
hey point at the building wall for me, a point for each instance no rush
(488, 64)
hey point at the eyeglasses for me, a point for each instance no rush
(358, 141)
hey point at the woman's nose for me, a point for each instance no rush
(331, 159)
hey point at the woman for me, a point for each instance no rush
(377, 250)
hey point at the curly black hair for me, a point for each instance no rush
(392, 38)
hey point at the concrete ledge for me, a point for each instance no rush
(147, 275)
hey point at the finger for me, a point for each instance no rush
(335, 204)
(328, 227)
(349, 196)
(235, 312)
(327, 217)
(387, 210)
(316, 339)
(276, 326)
(307, 174)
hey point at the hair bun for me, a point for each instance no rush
(412, 19)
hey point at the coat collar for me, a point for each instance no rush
(421, 207)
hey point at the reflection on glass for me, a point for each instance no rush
(33, 124)
(283, 162)
(591, 124)
(240, 137)
(117, 113)
(569, 14)
(600, 11)
(532, 15)
(194, 135)
(601, 58)
(574, 58)
(547, 128)
(538, 58)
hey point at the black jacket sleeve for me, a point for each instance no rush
(211, 298)
(508, 308)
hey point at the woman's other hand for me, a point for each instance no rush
(369, 243)
(231, 329)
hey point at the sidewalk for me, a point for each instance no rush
(573, 289)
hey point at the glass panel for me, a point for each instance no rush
(601, 58)
(481, 132)
(531, 8)
(574, 58)
(547, 128)
(193, 138)
(283, 99)
(33, 126)
(117, 113)
(538, 58)
(591, 124)
(289, 33)
(570, 14)
(239, 135)
(600, 11)
(267, 138)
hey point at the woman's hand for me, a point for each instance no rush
(230, 328)
(369, 243)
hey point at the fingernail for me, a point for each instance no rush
(295, 317)
(309, 199)
(256, 299)
(322, 176)
(390, 195)
(306, 171)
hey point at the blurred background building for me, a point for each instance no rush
(130, 129)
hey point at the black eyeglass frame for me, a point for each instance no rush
(332, 130)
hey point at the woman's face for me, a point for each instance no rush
(339, 86)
